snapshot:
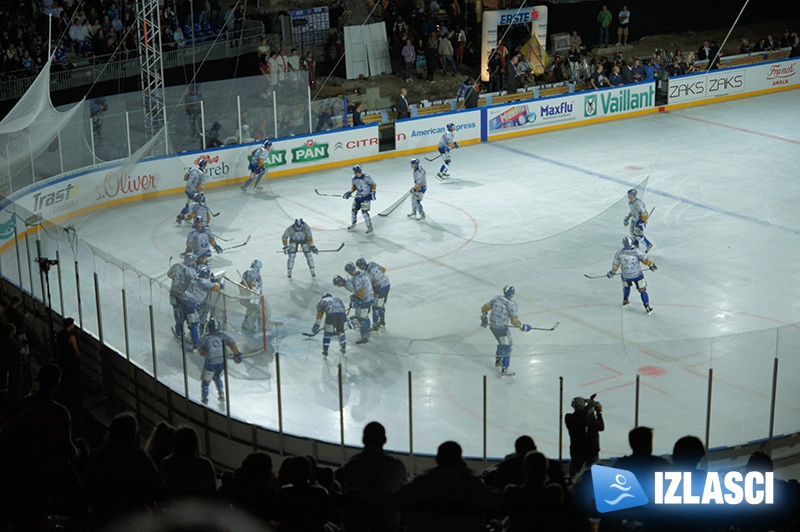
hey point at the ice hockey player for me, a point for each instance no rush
(258, 161)
(181, 274)
(364, 189)
(253, 318)
(335, 317)
(503, 311)
(446, 143)
(201, 239)
(298, 235)
(628, 258)
(195, 298)
(360, 286)
(212, 347)
(418, 190)
(199, 208)
(637, 219)
(196, 179)
(380, 288)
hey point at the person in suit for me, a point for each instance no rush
(401, 105)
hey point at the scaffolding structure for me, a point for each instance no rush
(152, 75)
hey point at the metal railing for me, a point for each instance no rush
(127, 63)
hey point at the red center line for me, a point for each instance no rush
(743, 130)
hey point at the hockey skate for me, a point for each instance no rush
(243, 188)
(324, 352)
(441, 176)
(351, 227)
(343, 350)
(625, 302)
(376, 326)
(505, 373)
(221, 397)
(383, 323)
(362, 341)
(649, 309)
(288, 274)
(369, 230)
(313, 273)
(421, 216)
(649, 247)
(259, 187)
(412, 215)
(204, 400)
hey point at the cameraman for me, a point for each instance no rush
(584, 425)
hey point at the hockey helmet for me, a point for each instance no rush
(200, 197)
(198, 220)
(202, 163)
(509, 291)
(267, 144)
(361, 263)
(205, 272)
(215, 126)
(298, 223)
(327, 294)
(213, 326)
(350, 268)
(256, 265)
(451, 127)
(338, 280)
(204, 256)
(632, 193)
(357, 169)
(189, 258)
(627, 242)
(414, 162)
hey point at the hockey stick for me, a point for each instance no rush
(331, 195)
(332, 250)
(311, 335)
(431, 160)
(596, 276)
(240, 245)
(394, 205)
(553, 328)
(322, 250)
(212, 213)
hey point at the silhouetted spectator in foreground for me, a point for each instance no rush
(253, 486)
(185, 472)
(302, 506)
(159, 445)
(448, 497)
(38, 477)
(371, 471)
(536, 503)
(119, 477)
(510, 470)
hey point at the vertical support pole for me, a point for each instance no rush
(341, 413)
(560, 417)
(280, 400)
(275, 112)
(78, 291)
(485, 421)
(33, 170)
(410, 426)
(41, 274)
(97, 304)
(131, 370)
(128, 130)
(185, 371)
(8, 163)
(30, 267)
(239, 117)
(60, 286)
(227, 386)
(91, 138)
(773, 399)
(203, 123)
(19, 264)
(708, 405)
(310, 115)
(636, 403)
(153, 348)
(60, 152)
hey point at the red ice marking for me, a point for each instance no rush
(651, 371)
(634, 167)
(741, 129)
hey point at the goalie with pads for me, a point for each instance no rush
(258, 159)
(503, 311)
(253, 318)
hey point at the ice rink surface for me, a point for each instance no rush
(537, 212)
